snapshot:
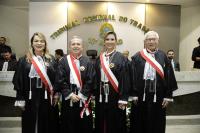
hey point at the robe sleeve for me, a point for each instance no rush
(51, 70)
(1, 64)
(133, 89)
(170, 79)
(97, 77)
(194, 54)
(61, 79)
(12, 65)
(124, 80)
(18, 80)
(88, 86)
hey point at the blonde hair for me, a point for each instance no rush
(112, 33)
(30, 53)
(106, 35)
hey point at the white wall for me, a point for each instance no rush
(14, 26)
(79, 10)
(189, 33)
(47, 17)
(132, 37)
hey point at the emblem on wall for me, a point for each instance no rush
(105, 27)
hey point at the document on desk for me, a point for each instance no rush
(6, 75)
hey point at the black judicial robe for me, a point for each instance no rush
(130, 73)
(71, 122)
(147, 116)
(38, 107)
(196, 53)
(108, 117)
(12, 64)
(176, 66)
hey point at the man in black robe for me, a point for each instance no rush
(196, 56)
(3, 46)
(7, 63)
(75, 78)
(153, 82)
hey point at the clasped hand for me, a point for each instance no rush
(75, 98)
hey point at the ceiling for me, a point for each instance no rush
(25, 3)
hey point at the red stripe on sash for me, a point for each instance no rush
(107, 74)
(76, 70)
(152, 64)
(86, 107)
(42, 77)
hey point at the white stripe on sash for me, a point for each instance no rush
(43, 75)
(75, 72)
(111, 77)
(152, 62)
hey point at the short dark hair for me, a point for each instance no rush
(59, 52)
(3, 38)
(198, 40)
(7, 49)
(171, 50)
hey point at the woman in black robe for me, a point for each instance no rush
(31, 94)
(76, 94)
(151, 89)
(110, 108)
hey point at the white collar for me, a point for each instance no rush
(77, 57)
(108, 54)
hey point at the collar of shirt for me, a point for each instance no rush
(152, 53)
(173, 65)
(77, 57)
(109, 54)
(7, 60)
(60, 58)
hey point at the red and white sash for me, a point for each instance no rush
(152, 62)
(86, 108)
(111, 77)
(43, 75)
(74, 70)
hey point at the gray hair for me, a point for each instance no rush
(151, 33)
(76, 39)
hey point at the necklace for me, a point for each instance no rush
(110, 58)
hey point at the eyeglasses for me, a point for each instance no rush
(151, 39)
